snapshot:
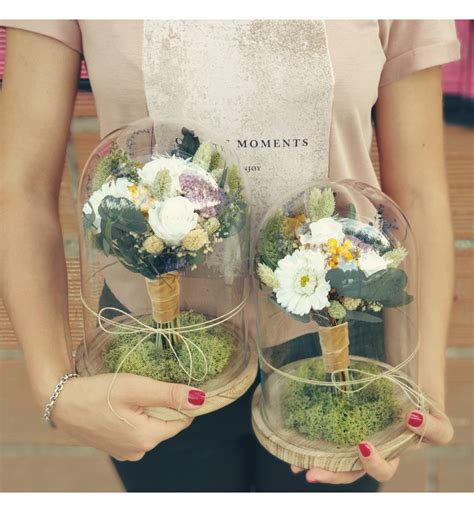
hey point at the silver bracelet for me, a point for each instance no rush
(52, 400)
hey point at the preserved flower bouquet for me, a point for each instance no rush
(161, 219)
(322, 263)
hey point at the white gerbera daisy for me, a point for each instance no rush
(302, 283)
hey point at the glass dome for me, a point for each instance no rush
(337, 328)
(164, 248)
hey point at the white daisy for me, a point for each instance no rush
(302, 284)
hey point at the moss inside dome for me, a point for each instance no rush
(147, 360)
(317, 412)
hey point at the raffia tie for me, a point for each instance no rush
(364, 378)
(140, 327)
(335, 347)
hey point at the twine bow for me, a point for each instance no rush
(139, 327)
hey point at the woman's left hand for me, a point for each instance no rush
(435, 427)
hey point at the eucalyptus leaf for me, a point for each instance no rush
(88, 219)
(238, 221)
(223, 178)
(123, 216)
(363, 317)
(386, 286)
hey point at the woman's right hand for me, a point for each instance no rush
(82, 412)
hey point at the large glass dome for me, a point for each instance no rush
(337, 328)
(165, 260)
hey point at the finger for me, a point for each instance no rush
(374, 464)
(162, 430)
(435, 428)
(318, 475)
(296, 469)
(155, 431)
(147, 392)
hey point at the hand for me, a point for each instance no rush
(435, 427)
(83, 413)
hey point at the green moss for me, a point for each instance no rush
(147, 360)
(344, 419)
(274, 244)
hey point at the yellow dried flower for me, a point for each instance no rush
(350, 303)
(211, 225)
(195, 240)
(394, 258)
(153, 245)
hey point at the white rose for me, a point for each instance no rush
(116, 188)
(322, 230)
(172, 219)
(370, 263)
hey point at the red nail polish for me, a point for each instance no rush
(415, 419)
(364, 449)
(196, 397)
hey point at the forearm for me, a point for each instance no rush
(34, 287)
(431, 221)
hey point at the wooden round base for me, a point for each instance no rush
(294, 448)
(224, 389)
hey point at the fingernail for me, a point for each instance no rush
(364, 449)
(312, 480)
(196, 397)
(415, 419)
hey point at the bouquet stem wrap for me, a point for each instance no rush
(164, 296)
(335, 347)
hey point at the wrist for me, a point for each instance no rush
(48, 411)
(44, 385)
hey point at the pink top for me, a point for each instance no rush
(293, 97)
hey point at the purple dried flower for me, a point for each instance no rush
(204, 195)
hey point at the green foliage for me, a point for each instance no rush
(215, 160)
(203, 156)
(363, 317)
(188, 145)
(149, 361)
(116, 164)
(119, 219)
(351, 211)
(344, 419)
(386, 286)
(161, 185)
(274, 244)
(234, 216)
(321, 204)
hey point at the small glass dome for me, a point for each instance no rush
(337, 328)
(165, 260)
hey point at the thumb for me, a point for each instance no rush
(146, 392)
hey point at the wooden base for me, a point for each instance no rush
(224, 389)
(294, 448)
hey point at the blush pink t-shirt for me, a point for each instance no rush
(293, 97)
